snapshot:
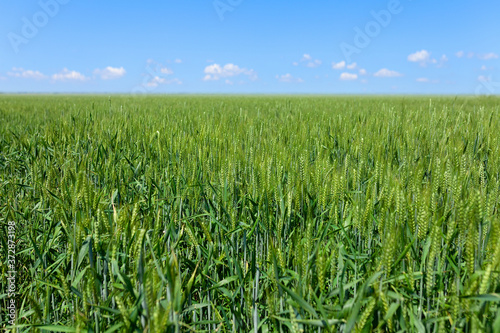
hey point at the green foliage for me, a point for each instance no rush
(240, 214)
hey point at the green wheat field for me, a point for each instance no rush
(251, 213)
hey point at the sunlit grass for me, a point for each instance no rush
(238, 214)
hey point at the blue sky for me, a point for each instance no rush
(250, 46)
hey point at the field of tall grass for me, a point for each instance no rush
(251, 214)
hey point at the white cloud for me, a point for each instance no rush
(352, 66)
(314, 64)
(348, 76)
(310, 62)
(384, 72)
(157, 80)
(288, 78)
(166, 71)
(422, 79)
(110, 73)
(26, 74)
(158, 74)
(338, 65)
(229, 82)
(488, 56)
(178, 61)
(306, 57)
(422, 57)
(362, 71)
(155, 68)
(215, 72)
(67, 75)
(460, 54)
